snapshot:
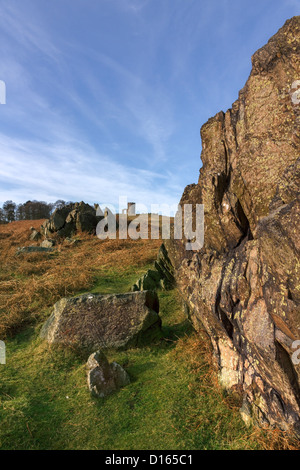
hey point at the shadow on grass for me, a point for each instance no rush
(21, 339)
(174, 332)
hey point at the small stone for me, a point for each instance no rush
(35, 235)
(104, 378)
(48, 243)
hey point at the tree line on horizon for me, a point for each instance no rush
(30, 210)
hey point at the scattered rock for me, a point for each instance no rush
(47, 243)
(33, 249)
(149, 281)
(92, 321)
(35, 235)
(243, 285)
(165, 269)
(72, 241)
(104, 378)
(161, 277)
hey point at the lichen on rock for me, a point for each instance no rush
(104, 378)
(88, 322)
(243, 285)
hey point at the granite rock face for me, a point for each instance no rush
(243, 286)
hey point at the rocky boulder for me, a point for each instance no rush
(149, 281)
(34, 235)
(68, 220)
(165, 269)
(243, 285)
(92, 321)
(104, 378)
(48, 243)
(160, 277)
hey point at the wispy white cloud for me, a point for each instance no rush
(56, 160)
(133, 6)
(39, 171)
(116, 109)
(146, 111)
(26, 28)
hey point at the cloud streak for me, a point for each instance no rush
(57, 160)
(110, 103)
(39, 171)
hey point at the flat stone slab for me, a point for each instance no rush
(34, 249)
(93, 321)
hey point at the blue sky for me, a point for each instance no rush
(105, 98)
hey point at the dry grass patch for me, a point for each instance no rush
(195, 350)
(32, 282)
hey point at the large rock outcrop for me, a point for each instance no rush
(67, 220)
(92, 321)
(243, 286)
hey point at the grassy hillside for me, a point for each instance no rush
(174, 400)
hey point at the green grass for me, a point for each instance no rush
(45, 402)
(173, 402)
(111, 281)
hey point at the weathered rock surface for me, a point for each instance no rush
(66, 221)
(161, 277)
(104, 378)
(93, 321)
(48, 243)
(149, 281)
(72, 241)
(34, 235)
(243, 285)
(34, 249)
